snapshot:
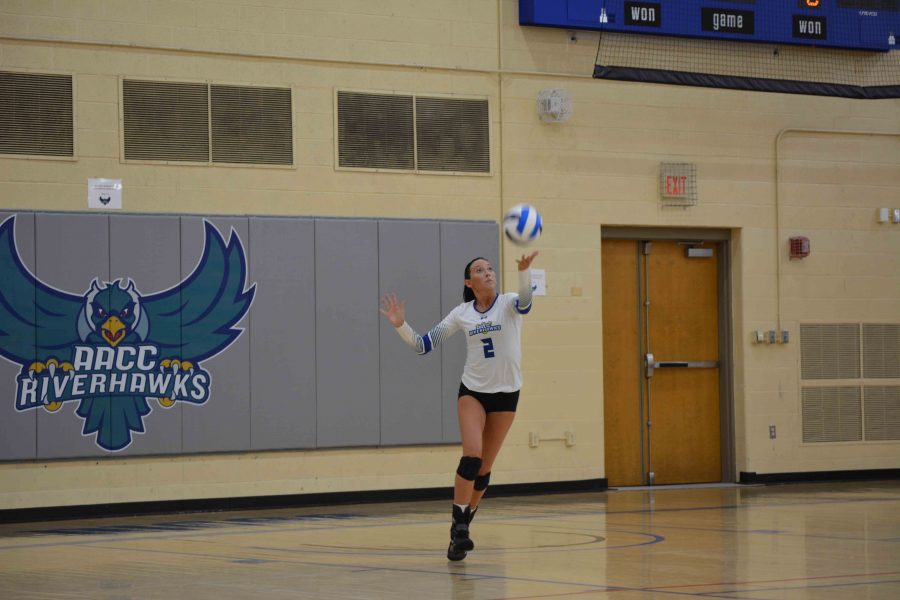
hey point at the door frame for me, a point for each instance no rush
(722, 240)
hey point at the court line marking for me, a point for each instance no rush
(764, 532)
(246, 529)
(364, 567)
(350, 551)
(805, 587)
(593, 588)
(718, 594)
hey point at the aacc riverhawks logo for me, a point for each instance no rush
(113, 349)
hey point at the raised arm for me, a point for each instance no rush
(395, 312)
(523, 304)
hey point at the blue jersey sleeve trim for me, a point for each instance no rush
(521, 310)
(426, 339)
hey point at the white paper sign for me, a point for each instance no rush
(538, 282)
(104, 193)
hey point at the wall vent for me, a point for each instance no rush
(251, 125)
(200, 122)
(831, 414)
(829, 351)
(453, 135)
(413, 133)
(882, 407)
(375, 131)
(36, 114)
(166, 120)
(881, 350)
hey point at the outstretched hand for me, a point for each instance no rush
(393, 310)
(525, 261)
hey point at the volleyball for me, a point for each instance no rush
(522, 224)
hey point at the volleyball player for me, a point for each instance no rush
(491, 378)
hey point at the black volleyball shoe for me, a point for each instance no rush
(460, 542)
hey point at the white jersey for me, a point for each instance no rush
(493, 341)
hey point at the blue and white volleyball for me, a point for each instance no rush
(522, 224)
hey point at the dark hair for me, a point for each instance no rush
(468, 294)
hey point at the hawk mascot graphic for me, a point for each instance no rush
(112, 348)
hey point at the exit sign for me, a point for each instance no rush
(678, 183)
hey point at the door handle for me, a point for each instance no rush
(677, 364)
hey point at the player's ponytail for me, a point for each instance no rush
(468, 294)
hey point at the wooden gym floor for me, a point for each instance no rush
(815, 541)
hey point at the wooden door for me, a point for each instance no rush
(661, 423)
(622, 404)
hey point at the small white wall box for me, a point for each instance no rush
(554, 105)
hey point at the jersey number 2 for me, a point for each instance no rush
(488, 347)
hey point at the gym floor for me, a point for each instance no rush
(804, 541)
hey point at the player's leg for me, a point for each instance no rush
(471, 425)
(497, 425)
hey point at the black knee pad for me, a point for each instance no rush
(482, 481)
(468, 467)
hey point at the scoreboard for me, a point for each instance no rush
(856, 24)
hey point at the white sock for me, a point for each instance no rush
(461, 507)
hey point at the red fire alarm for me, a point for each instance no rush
(799, 247)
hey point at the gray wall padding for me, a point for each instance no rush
(147, 250)
(282, 334)
(410, 384)
(347, 411)
(316, 365)
(18, 430)
(71, 250)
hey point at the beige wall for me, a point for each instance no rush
(598, 169)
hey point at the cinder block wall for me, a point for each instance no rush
(598, 169)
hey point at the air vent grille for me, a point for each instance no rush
(881, 350)
(375, 131)
(36, 114)
(177, 121)
(882, 404)
(166, 121)
(413, 133)
(829, 351)
(832, 414)
(453, 135)
(251, 125)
